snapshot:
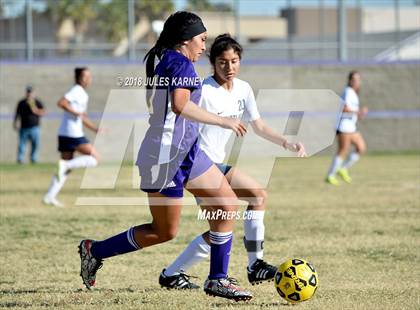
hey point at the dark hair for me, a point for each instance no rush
(174, 32)
(351, 75)
(222, 43)
(78, 73)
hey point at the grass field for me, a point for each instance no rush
(363, 238)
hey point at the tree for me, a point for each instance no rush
(80, 12)
(113, 15)
(153, 9)
(206, 5)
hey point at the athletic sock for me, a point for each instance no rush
(254, 235)
(82, 162)
(335, 165)
(220, 243)
(351, 160)
(55, 186)
(195, 252)
(116, 245)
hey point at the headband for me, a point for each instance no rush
(193, 30)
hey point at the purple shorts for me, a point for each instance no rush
(157, 178)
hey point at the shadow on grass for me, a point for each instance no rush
(65, 291)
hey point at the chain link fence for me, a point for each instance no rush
(271, 31)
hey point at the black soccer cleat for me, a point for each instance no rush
(261, 271)
(89, 265)
(179, 281)
(226, 288)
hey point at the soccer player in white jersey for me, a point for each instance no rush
(347, 133)
(71, 138)
(228, 96)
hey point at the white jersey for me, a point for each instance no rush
(349, 119)
(71, 125)
(237, 103)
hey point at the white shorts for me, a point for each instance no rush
(347, 126)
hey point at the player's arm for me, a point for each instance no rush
(64, 104)
(15, 119)
(360, 112)
(181, 105)
(38, 108)
(346, 109)
(87, 122)
(264, 131)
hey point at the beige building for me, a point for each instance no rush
(251, 27)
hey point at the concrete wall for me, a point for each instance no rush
(386, 87)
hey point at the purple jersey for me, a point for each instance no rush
(171, 139)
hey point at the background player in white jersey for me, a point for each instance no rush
(228, 96)
(347, 134)
(70, 134)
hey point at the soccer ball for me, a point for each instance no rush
(296, 280)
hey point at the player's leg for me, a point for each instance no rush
(50, 198)
(89, 158)
(217, 196)
(344, 143)
(356, 139)
(23, 136)
(34, 138)
(360, 145)
(165, 212)
(248, 189)
(174, 276)
(199, 249)
(68, 162)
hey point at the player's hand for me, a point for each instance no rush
(297, 148)
(235, 125)
(102, 130)
(363, 112)
(32, 104)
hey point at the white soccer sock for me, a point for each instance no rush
(81, 162)
(336, 164)
(195, 252)
(55, 186)
(351, 160)
(254, 235)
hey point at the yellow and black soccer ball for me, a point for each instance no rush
(296, 280)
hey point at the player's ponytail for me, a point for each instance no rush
(180, 26)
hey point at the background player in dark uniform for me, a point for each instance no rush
(28, 112)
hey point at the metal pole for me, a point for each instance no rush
(342, 31)
(29, 32)
(321, 9)
(359, 29)
(289, 30)
(131, 45)
(237, 21)
(397, 27)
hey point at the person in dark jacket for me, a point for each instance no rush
(28, 113)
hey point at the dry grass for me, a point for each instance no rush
(363, 238)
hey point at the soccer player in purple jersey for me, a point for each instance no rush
(223, 93)
(170, 160)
